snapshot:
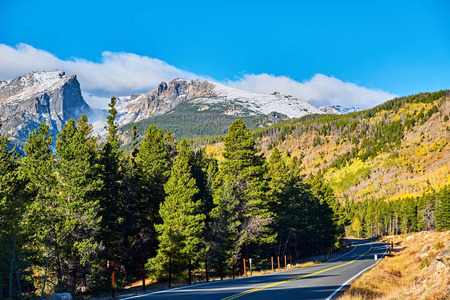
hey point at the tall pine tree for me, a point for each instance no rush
(153, 161)
(180, 234)
(242, 215)
(43, 217)
(77, 184)
(111, 204)
(12, 207)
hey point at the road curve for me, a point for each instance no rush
(321, 281)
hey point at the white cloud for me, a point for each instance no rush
(118, 73)
(320, 90)
(122, 74)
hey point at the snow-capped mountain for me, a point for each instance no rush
(52, 96)
(205, 94)
(340, 110)
(27, 100)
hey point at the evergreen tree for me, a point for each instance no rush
(111, 204)
(285, 192)
(78, 182)
(442, 216)
(242, 215)
(43, 217)
(181, 231)
(153, 161)
(12, 206)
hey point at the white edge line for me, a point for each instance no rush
(354, 277)
(217, 281)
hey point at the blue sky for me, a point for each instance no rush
(381, 48)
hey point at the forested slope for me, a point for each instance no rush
(396, 154)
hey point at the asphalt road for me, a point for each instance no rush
(320, 281)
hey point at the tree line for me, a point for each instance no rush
(370, 218)
(67, 212)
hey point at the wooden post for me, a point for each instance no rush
(112, 278)
(143, 276)
(278, 258)
(206, 268)
(291, 260)
(170, 272)
(271, 262)
(190, 282)
(245, 270)
(285, 262)
(233, 267)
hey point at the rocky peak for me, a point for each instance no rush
(27, 100)
(162, 99)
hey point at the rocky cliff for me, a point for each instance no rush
(28, 100)
(162, 99)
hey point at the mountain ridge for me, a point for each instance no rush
(27, 100)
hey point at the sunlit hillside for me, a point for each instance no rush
(396, 150)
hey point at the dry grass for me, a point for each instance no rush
(410, 272)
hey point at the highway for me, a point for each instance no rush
(321, 281)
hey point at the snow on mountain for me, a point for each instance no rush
(28, 100)
(167, 95)
(340, 110)
(24, 87)
(261, 103)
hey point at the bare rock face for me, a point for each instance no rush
(28, 100)
(162, 99)
(444, 257)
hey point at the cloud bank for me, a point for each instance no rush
(127, 73)
(116, 73)
(320, 90)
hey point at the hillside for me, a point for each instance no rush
(396, 150)
(418, 268)
(190, 120)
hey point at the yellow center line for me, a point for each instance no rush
(289, 280)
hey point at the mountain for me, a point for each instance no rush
(340, 110)
(27, 100)
(195, 109)
(188, 108)
(205, 95)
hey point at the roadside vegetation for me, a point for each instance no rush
(414, 270)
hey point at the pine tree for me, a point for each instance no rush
(78, 182)
(289, 201)
(42, 219)
(242, 215)
(442, 215)
(111, 204)
(154, 164)
(12, 207)
(181, 231)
